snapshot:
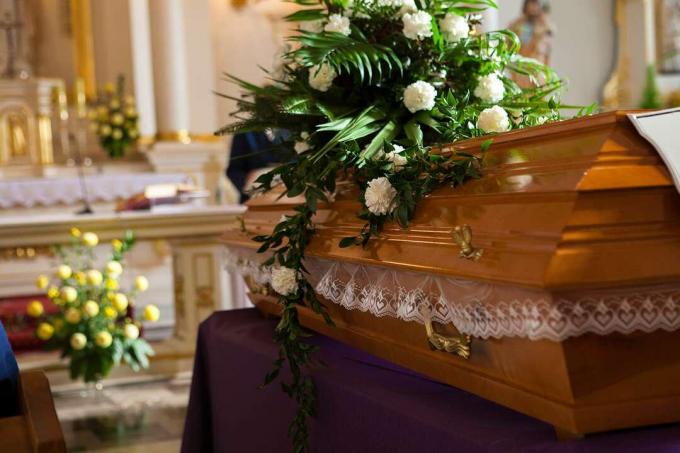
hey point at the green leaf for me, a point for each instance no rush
(345, 53)
(414, 133)
(300, 105)
(486, 144)
(347, 242)
(386, 135)
(426, 119)
(306, 15)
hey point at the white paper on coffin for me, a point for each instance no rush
(479, 309)
(662, 130)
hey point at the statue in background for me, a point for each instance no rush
(13, 27)
(535, 31)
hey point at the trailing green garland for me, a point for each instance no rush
(366, 89)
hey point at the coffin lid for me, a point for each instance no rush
(583, 203)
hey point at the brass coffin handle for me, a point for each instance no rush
(463, 237)
(458, 345)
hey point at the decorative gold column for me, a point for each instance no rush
(45, 148)
(83, 49)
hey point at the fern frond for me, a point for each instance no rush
(345, 54)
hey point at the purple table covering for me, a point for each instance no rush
(364, 405)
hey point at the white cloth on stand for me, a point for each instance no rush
(28, 193)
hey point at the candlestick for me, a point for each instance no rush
(81, 98)
(62, 102)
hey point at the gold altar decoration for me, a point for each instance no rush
(26, 112)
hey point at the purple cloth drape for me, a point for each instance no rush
(364, 405)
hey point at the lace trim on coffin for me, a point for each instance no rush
(485, 310)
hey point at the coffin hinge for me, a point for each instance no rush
(463, 237)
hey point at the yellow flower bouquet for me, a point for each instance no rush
(93, 326)
(114, 119)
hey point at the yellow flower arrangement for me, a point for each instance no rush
(115, 119)
(93, 327)
(42, 281)
(64, 271)
(35, 309)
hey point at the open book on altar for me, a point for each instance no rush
(550, 285)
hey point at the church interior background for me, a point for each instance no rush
(69, 65)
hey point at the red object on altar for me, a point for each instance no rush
(19, 326)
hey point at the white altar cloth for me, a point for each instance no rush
(28, 193)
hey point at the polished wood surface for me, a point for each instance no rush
(564, 209)
(585, 203)
(36, 428)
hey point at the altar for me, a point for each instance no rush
(177, 249)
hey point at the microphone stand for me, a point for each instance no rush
(80, 144)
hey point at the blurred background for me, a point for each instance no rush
(107, 114)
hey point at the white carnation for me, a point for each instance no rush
(394, 157)
(490, 88)
(349, 10)
(302, 145)
(417, 25)
(408, 6)
(313, 26)
(405, 6)
(419, 95)
(338, 24)
(454, 27)
(321, 77)
(284, 281)
(380, 196)
(398, 161)
(494, 119)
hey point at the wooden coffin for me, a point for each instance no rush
(576, 214)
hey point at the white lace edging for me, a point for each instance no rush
(479, 309)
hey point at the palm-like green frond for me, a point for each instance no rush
(532, 68)
(345, 54)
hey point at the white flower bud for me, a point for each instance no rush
(494, 119)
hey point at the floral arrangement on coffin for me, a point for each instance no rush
(114, 119)
(367, 91)
(92, 327)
